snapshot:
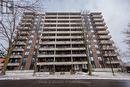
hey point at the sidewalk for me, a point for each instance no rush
(80, 75)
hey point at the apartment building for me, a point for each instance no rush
(63, 42)
(61, 46)
(22, 54)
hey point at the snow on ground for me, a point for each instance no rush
(79, 75)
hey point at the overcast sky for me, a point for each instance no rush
(116, 13)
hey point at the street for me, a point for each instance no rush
(65, 83)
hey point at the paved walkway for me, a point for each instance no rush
(80, 75)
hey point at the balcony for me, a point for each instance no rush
(64, 48)
(44, 55)
(107, 48)
(62, 32)
(69, 55)
(15, 56)
(106, 42)
(26, 24)
(51, 16)
(78, 48)
(29, 13)
(26, 20)
(60, 63)
(103, 32)
(95, 13)
(113, 62)
(61, 23)
(63, 42)
(53, 32)
(75, 16)
(110, 55)
(28, 16)
(69, 48)
(22, 38)
(60, 37)
(23, 28)
(61, 55)
(18, 49)
(104, 37)
(24, 33)
(46, 49)
(97, 16)
(21, 43)
(78, 19)
(69, 27)
(101, 27)
(10, 64)
(98, 19)
(13, 64)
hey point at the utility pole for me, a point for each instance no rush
(84, 31)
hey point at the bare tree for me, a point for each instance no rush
(8, 30)
(8, 25)
(127, 39)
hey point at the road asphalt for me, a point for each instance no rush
(65, 83)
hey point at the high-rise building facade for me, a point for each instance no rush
(63, 42)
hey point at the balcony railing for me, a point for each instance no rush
(98, 19)
(28, 16)
(23, 28)
(60, 63)
(61, 23)
(64, 19)
(97, 16)
(20, 43)
(27, 24)
(62, 42)
(108, 48)
(22, 38)
(106, 42)
(111, 54)
(101, 27)
(61, 55)
(113, 62)
(63, 15)
(60, 37)
(26, 20)
(10, 64)
(18, 49)
(61, 32)
(24, 33)
(13, 64)
(63, 27)
(104, 37)
(64, 48)
(95, 13)
(103, 32)
(15, 56)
